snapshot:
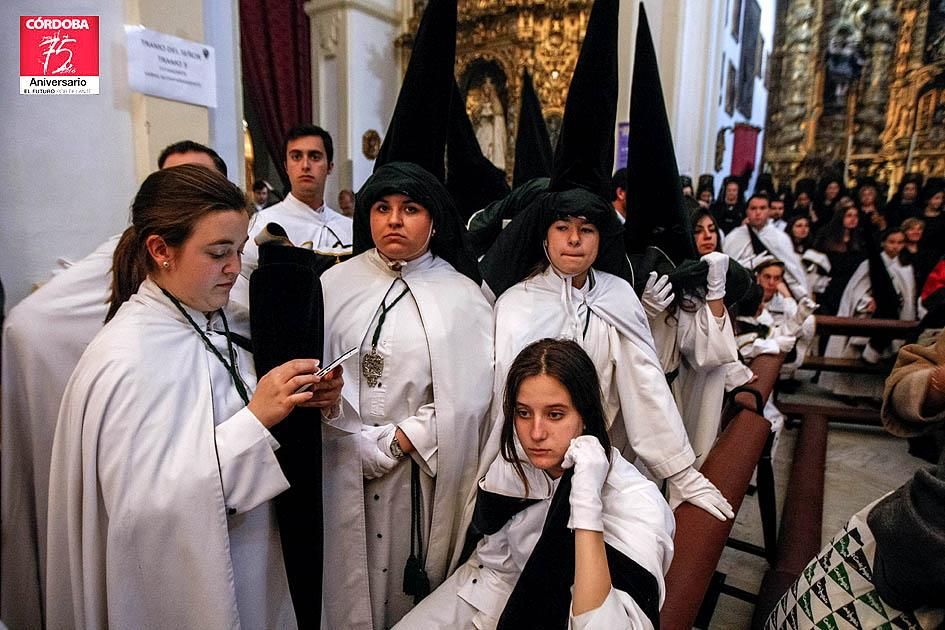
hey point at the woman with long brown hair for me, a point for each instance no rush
(566, 532)
(163, 468)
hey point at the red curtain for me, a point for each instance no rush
(744, 149)
(277, 68)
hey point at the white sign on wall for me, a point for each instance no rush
(171, 67)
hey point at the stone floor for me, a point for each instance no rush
(862, 465)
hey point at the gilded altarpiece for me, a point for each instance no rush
(496, 40)
(860, 85)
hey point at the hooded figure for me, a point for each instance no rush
(560, 270)
(533, 164)
(533, 152)
(416, 393)
(681, 292)
(473, 181)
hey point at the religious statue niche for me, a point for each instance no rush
(935, 33)
(486, 104)
(843, 64)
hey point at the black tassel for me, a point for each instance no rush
(416, 580)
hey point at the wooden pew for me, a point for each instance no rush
(700, 538)
(802, 514)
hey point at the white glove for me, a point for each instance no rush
(657, 295)
(715, 279)
(785, 342)
(376, 460)
(590, 464)
(804, 308)
(690, 486)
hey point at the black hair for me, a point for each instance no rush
(189, 146)
(568, 363)
(758, 195)
(307, 129)
(260, 184)
(619, 180)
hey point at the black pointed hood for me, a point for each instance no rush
(656, 213)
(418, 129)
(584, 157)
(533, 152)
(471, 178)
(519, 249)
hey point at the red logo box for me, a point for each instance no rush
(62, 47)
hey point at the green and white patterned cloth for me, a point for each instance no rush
(835, 591)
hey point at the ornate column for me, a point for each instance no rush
(882, 24)
(789, 126)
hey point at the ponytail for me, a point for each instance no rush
(129, 269)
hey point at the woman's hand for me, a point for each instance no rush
(327, 390)
(590, 464)
(690, 486)
(276, 396)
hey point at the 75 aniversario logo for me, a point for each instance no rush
(59, 54)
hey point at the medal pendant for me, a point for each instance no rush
(372, 366)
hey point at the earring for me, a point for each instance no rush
(166, 264)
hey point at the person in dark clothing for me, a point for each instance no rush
(842, 241)
(932, 245)
(905, 203)
(729, 210)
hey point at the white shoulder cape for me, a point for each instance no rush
(43, 338)
(457, 320)
(138, 524)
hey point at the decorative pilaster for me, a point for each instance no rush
(789, 126)
(871, 114)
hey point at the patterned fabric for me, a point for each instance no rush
(835, 591)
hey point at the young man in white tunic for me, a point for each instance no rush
(742, 244)
(163, 468)
(418, 390)
(43, 338)
(582, 549)
(306, 218)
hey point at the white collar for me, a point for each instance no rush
(400, 268)
(298, 203)
(151, 294)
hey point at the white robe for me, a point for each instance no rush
(618, 341)
(700, 345)
(324, 227)
(738, 246)
(436, 386)
(855, 297)
(160, 510)
(637, 522)
(43, 338)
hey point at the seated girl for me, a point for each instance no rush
(566, 533)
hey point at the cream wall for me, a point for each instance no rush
(72, 164)
(355, 79)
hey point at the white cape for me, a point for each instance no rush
(701, 349)
(456, 319)
(138, 528)
(43, 338)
